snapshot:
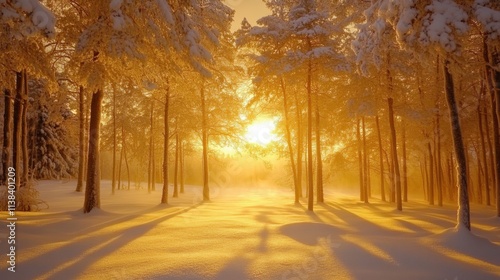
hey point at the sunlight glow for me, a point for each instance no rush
(261, 132)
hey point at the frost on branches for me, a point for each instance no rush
(488, 17)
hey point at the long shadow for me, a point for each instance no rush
(73, 250)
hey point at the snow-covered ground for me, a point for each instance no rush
(254, 233)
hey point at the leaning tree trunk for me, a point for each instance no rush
(463, 215)
(92, 187)
(394, 152)
(289, 140)
(164, 195)
(204, 132)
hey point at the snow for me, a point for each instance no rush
(247, 233)
(489, 18)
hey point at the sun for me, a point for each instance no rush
(261, 132)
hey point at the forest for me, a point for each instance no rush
(394, 103)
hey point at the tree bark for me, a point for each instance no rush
(164, 195)
(126, 158)
(7, 134)
(176, 164)
(92, 187)
(405, 168)
(151, 178)
(289, 140)
(431, 174)
(113, 173)
(381, 160)
(365, 163)
(360, 161)
(181, 150)
(463, 215)
(397, 176)
(24, 134)
(310, 201)
(18, 121)
(298, 116)
(204, 132)
(496, 84)
(319, 162)
(81, 140)
(438, 160)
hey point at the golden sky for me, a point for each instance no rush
(251, 9)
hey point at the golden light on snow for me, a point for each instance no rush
(261, 132)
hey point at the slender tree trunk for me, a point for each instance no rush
(176, 164)
(405, 168)
(463, 215)
(298, 116)
(181, 150)
(81, 140)
(310, 201)
(424, 178)
(496, 83)
(151, 179)
(120, 168)
(113, 173)
(289, 140)
(7, 134)
(18, 108)
(93, 186)
(397, 176)
(204, 132)
(319, 162)
(166, 134)
(484, 156)
(438, 160)
(431, 174)
(381, 160)
(24, 135)
(479, 190)
(360, 162)
(125, 156)
(365, 163)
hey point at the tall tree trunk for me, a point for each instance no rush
(484, 155)
(438, 159)
(298, 116)
(113, 173)
(289, 140)
(18, 108)
(81, 140)
(181, 150)
(405, 168)
(360, 161)
(7, 134)
(423, 173)
(431, 174)
(496, 84)
(176, 164)
(397, 176)
(125, 156)
(319, 162)
(120, 168)
(381, 160)
(310, 201)
(24, 134)
(204, 132)
(93, 186)
(365, 163)
(166, 134)
(151, 178)
(463, 215)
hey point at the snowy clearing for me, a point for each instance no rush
(247, 234)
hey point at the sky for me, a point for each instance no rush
(251, 9)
